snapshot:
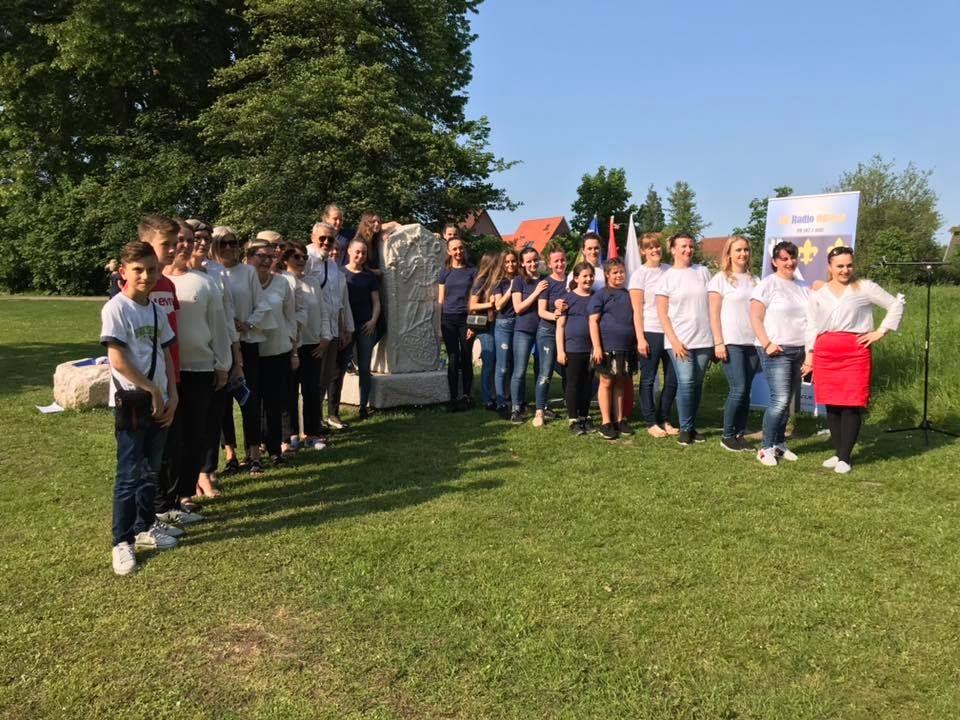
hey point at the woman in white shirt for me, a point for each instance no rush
(839, 336)
(778, 309)
(653, 354)
(684, 313)
(278, 350)
(734, 343)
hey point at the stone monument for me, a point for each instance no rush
(406, 361)
(81, 384)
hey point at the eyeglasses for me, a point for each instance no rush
(839, 250)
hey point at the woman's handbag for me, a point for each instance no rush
(478, 321)
(134, 408)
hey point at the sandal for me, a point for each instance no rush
(255, 468)
(232, 466)
(207, 492)
(188, 505)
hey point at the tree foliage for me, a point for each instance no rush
(756, 228)
(682, 213)
(898, 216)
(257, 112)
(651, 218)
(603, 194)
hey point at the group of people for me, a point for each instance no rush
(199, 320)
(597, 328)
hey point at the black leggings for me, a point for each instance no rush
(579, 385)
(459, 353)
(274, 385)
(196, 401)
(844, 423)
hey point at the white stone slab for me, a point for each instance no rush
(387, 391)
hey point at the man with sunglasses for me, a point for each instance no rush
(334, 287)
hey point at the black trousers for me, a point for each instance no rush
(844, 423)
(166, 494)
(310, 381)
(579, 385)
(459, 353)
(251, 411)
(274, 390)
(199, 412)
(220, 403)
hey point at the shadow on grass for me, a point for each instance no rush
(32, 364)
(393, 462)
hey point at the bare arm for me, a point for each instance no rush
(663, 306)
(561, 349)
(636, 302)
(758, 311)
(719, 347)
(595, 339)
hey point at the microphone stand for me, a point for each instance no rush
(925, 425)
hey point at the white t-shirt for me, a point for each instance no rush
(689, 311)
(648, 280)
(129, 324)
(786, 301)
(202, 327)
(852, 311)
(599, 281)
(735, 307)
(279, 339)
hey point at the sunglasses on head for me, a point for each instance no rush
(840, 250)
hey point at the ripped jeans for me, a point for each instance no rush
(547, 345)
(503, 342)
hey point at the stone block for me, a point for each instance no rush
(387, 391)
(83, 387)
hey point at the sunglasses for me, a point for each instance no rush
(326, 238)
(299, 258)
(229, 243)
(839, 250)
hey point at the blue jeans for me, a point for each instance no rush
(656, 413)
(523, 342)
(783, 377)
(364, 345)
(488, 360)
(690, 374)
(547, 345)
(740, 368)
(503, 340)
(139, 455)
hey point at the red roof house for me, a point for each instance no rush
(538, 232)
(478, 223)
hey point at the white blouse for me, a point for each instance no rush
(647, 279)
(734, 307)
(851, 311)
(249, 305)
(280, 338)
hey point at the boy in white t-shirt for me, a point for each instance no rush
(137, 336)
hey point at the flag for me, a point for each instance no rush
(632, 257)
(612, 244)
(593, 226)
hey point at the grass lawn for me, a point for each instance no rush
(454, 566)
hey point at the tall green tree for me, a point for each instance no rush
(898, 215)
(651, 218)
(682, 212)
(97, 104)
(756, 228)
(359, 102)
(604, 193)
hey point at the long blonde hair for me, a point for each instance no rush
(487, 274)
(726, 262)
(499, 273)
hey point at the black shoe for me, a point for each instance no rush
(587, 425)
(504, 412)
(575, 427)
(364, 413)
(516, 418)
(731, 443)
(684, 438)
(549, 415)
(744, 445)
(608, 431)
(453, 406)
(624, 428)
(352, 368)
(697, 437)
(492, 407)
(278, 460)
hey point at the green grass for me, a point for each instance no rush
(454, 566)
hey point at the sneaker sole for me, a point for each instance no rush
(729, 449)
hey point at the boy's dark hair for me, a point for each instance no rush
(137, 250)
(159, 224)
(612, 263)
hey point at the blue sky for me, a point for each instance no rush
(733, 97)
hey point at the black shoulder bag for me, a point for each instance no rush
(134, 408)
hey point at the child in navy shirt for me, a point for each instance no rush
(573, 348)
(614, 347)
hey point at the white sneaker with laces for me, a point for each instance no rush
(786, 453)
(153, 539)
(124, 559)
(842, 467)
(171, 530)
(831, 462)
(179, 516)
(336, 423)
(767, 456)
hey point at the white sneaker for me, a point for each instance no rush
(153, 539)
(842, 467)
(784, 452)
(336, 423)
(830, 462)
(316, 444)
(124, 559)
(179, 516)
(171, 530)
(767, 457)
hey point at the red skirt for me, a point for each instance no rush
(841, 370)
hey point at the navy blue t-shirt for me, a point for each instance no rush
(616, 319)
(359, 287)
(529, 320)
(556, 290)
(503, 288)
(576, 330)
(456, 289)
